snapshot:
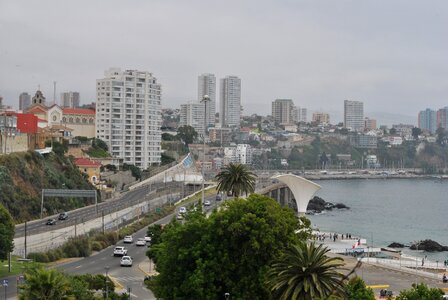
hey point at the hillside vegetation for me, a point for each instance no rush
(23, 175)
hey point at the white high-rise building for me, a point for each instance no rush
(300, 114)
(354, 115)
(70, 99)
(230, 101)
(192, 114)
(207, 86)
(282, 111)
(128, 116)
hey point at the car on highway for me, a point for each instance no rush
(182, 210)
(207, 203)
(218, 197)
(148, 239)
(126, 261)
(140, 242)
(51, 222)
(63, 216)
(128, 239)
(120, 251)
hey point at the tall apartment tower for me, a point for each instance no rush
(24, 101)
(354, 115)
(427, 120)
(299, 114)
(207, 86)
(282, 111)
(192, 114)
(230, 101)
(70, 99)
(128, 116)
(442, 118)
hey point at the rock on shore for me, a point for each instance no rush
(318, 205)
(428, 245)
(396, 245)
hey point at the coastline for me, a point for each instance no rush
(371, 176)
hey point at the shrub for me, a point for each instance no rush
(38, 257)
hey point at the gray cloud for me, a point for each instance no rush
(389, 54)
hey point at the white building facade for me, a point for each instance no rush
(207, 86)
(128, 116)
(192, 114)
(230, 102)
(354, 115)
(241, 153)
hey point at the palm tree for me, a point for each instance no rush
(305, 272)
(44, 284)
(236, 178)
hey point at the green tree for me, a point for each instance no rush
(421, 292)
(304, 272)
(135, 171)
(7, 230)
(227, 252)
(98, 143)
(168, 137)
(187, 134)
(416, 132)
(236, 178)
(356, 289)
(441, 136)
(44, 284)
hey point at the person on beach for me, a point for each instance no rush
(444, 279)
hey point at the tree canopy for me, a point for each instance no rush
(6, 233)
(228, 252)
(305, 272)
(421, 292)
(187, 134)
(236, 178)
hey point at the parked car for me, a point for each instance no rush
(148, 238)
(63, 216)
(126, 261)
(128, 239)
(140, 242)
(218, 197)
(179, 216)
(120, 251)
(182, 210)
(207, 203)
(51, 222)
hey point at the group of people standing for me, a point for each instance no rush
(333, 236)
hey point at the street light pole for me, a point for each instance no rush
(205, 99)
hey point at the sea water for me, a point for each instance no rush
(388, 210)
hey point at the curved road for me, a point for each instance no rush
(84, 214)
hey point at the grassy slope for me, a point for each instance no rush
(23, 175)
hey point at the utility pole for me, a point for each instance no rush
(25, 237)
(205, 99)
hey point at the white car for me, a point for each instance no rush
(128, 239)
(147, 238)
(179, 216)
(120, 251)
(182, 210)
(140, 242)
(207, 203)
(126, 261)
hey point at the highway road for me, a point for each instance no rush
(127, 277)
(84, 214)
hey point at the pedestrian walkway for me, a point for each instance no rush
(357, 247)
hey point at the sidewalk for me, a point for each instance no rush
(409, 265)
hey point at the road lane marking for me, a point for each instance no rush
(384, 286)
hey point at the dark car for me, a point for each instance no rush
(63, 216)
(51, 222)
(218, 197)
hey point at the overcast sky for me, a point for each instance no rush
(393, 55)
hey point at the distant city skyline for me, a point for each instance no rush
(389, 54)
